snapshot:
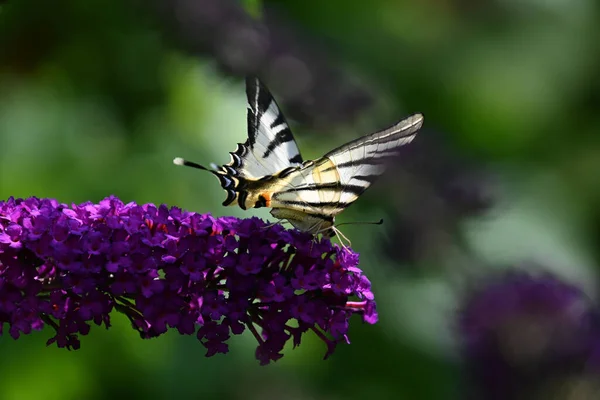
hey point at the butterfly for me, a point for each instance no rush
(268, 170)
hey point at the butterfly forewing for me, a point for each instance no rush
(270, 147)
(327, 186)
(360, 162)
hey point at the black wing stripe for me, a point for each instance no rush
(281, 137)
(385, 153)
(252, 127)
(354, 189)
(259, 99)
(366, 178)
(279, 120)
(317, 204)
(312, 187)
(296, 159)
(287, 171)
(324, 217)
(264, 98)
(353, 163)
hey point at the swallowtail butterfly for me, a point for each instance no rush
(268, 170)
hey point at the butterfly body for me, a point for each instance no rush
(268, 171)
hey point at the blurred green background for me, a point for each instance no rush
(97, 98)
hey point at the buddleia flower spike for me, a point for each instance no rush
(69, 266)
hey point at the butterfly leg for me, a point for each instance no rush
(271, 225)
(341, 236)
(280, 221)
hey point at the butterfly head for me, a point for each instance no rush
(247, 193)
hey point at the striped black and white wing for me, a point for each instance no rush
(330, 184)
(360, 162)
(270, 147)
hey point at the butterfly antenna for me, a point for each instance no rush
(181, 161)
(362, 223)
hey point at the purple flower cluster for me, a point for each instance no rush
(525, 336)
(67, 266)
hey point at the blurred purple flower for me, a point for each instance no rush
(67, 266)
(432, 189)
(523, 334)
(319, 93)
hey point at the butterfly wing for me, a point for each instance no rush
(270, 147)
(327, 186)
(360, 162)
